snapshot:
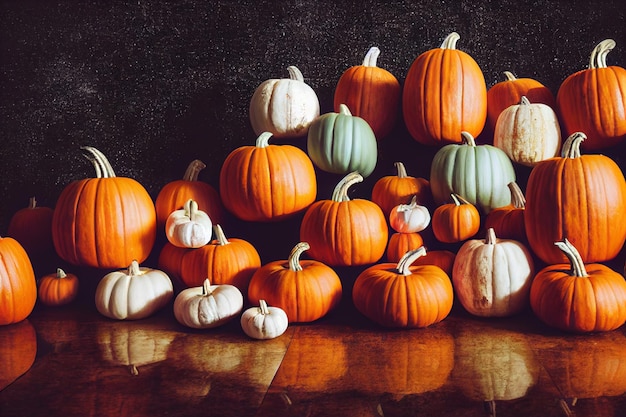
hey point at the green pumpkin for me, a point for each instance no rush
(341, 143)
(480, 174)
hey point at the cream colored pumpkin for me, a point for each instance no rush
(285, 107)
(132, 294)
(207, 306)
(189, 227)
(492, 277)
(528, 132)
(264, 322)
(409, 218)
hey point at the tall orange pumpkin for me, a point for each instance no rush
(593, 100)
(370, 92)
(581, 198)
(444, 94)
(104, 222)
(175, 194)
(344, 232)
(267, 182)
(18, 287)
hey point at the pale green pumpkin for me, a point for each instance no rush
(340, 143)
(479, 173)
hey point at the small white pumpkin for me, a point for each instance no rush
(409, 218)
(492, 277)
(208, 306)
(264, 322)
(189, 227)
(133, 294)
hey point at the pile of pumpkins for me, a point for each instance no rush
(569, 218)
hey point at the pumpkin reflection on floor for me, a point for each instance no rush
(18, 348)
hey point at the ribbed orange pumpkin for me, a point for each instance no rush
(508, 221)
(267, 182)
(175, 194)
(401, 295)
(510, 91)
(344, 232)
(371, 93)
(32, 227)
(444, 94)
(306, 290)
(57, 289)
(401, 243)
(455, 222)
(581, 198)
(579, 297)
(593, 100)
(391, 190)
(104, 222)
(18, 288)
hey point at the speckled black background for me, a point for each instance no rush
(155, 84)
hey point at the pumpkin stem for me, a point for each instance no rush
(206, 287)
(576, 262)
(133, 370)
(220, 236)
(450, 41)
(458, 200)
(491, 239)
(371, 57)
(509, 76)
(295, 73)
(571, 147)
(407, 260)
(524, 101)
(193, 169)
(263, 307)
(468, 139)
(517, 196)
(133, 269)
(344, 110)
(191, 209)
(599, 53)
(99, 161)
(294, 256)
(263, 140)
(61, 273)
(408, 207)
(401, 169)
(341, 189)
(32, 203)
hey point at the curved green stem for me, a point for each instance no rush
(219, 235)
(193, 169)
(100, 162)
(294, 256)
(599, 53)
(371, 57)
(450, 41)
(404, 265)
(341, 189)
(263, 140)
(571, 146)
(576, 262)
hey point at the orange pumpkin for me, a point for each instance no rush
(18, 348)
(371, 93)
(18, 288)
(391, 190)
(226, 261)
(305, 290)
(32, 227)
(401, 243)
(401, 295)
(510, 91)
(580, 198)
(344, 232)
(444, 94)
(170, 260)
(593, 100)
(175, 194)
(508, 221)
(579, 297)
(455, 222)
(267, 182)
(58, 289)
(104, 222)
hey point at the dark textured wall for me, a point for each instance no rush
(155, 84)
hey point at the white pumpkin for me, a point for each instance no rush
(189, 227)
(409, 218)
(264, 322)
(285, 107)
(133, 294)
(492, 277)
(528, 132)
(208, 306)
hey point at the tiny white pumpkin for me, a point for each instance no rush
(264, 322)
(208, 306)
(409, 218)
(189, 227)
(133, 294)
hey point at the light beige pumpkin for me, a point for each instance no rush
(492, 277)
(264, 322)
(409, 218)
(528, 132)
(208, 306)
(189, 227)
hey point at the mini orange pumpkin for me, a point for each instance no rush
(455, 222)
(58, 289)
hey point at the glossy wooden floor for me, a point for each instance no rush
(87, 365)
